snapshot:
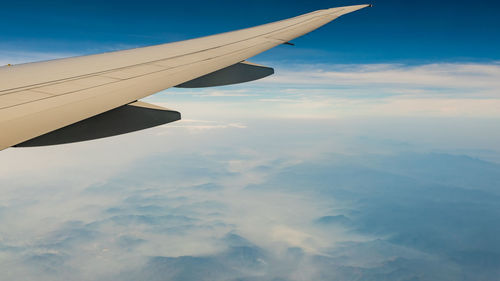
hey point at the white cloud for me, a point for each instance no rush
(473, 80)
(216, 92)
(196, 126)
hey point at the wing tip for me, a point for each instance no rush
(349, 9)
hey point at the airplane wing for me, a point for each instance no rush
(81, 98)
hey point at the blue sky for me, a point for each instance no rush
(373, 153)
(393, 31)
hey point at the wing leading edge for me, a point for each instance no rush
(39, 98)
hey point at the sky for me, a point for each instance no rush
(373, 152)
(392, 31)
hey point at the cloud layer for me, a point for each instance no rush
(336, 91)
(263, 201)
(350, 172)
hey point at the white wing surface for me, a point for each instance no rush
(40, 98)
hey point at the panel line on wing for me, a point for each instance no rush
(129, 78)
